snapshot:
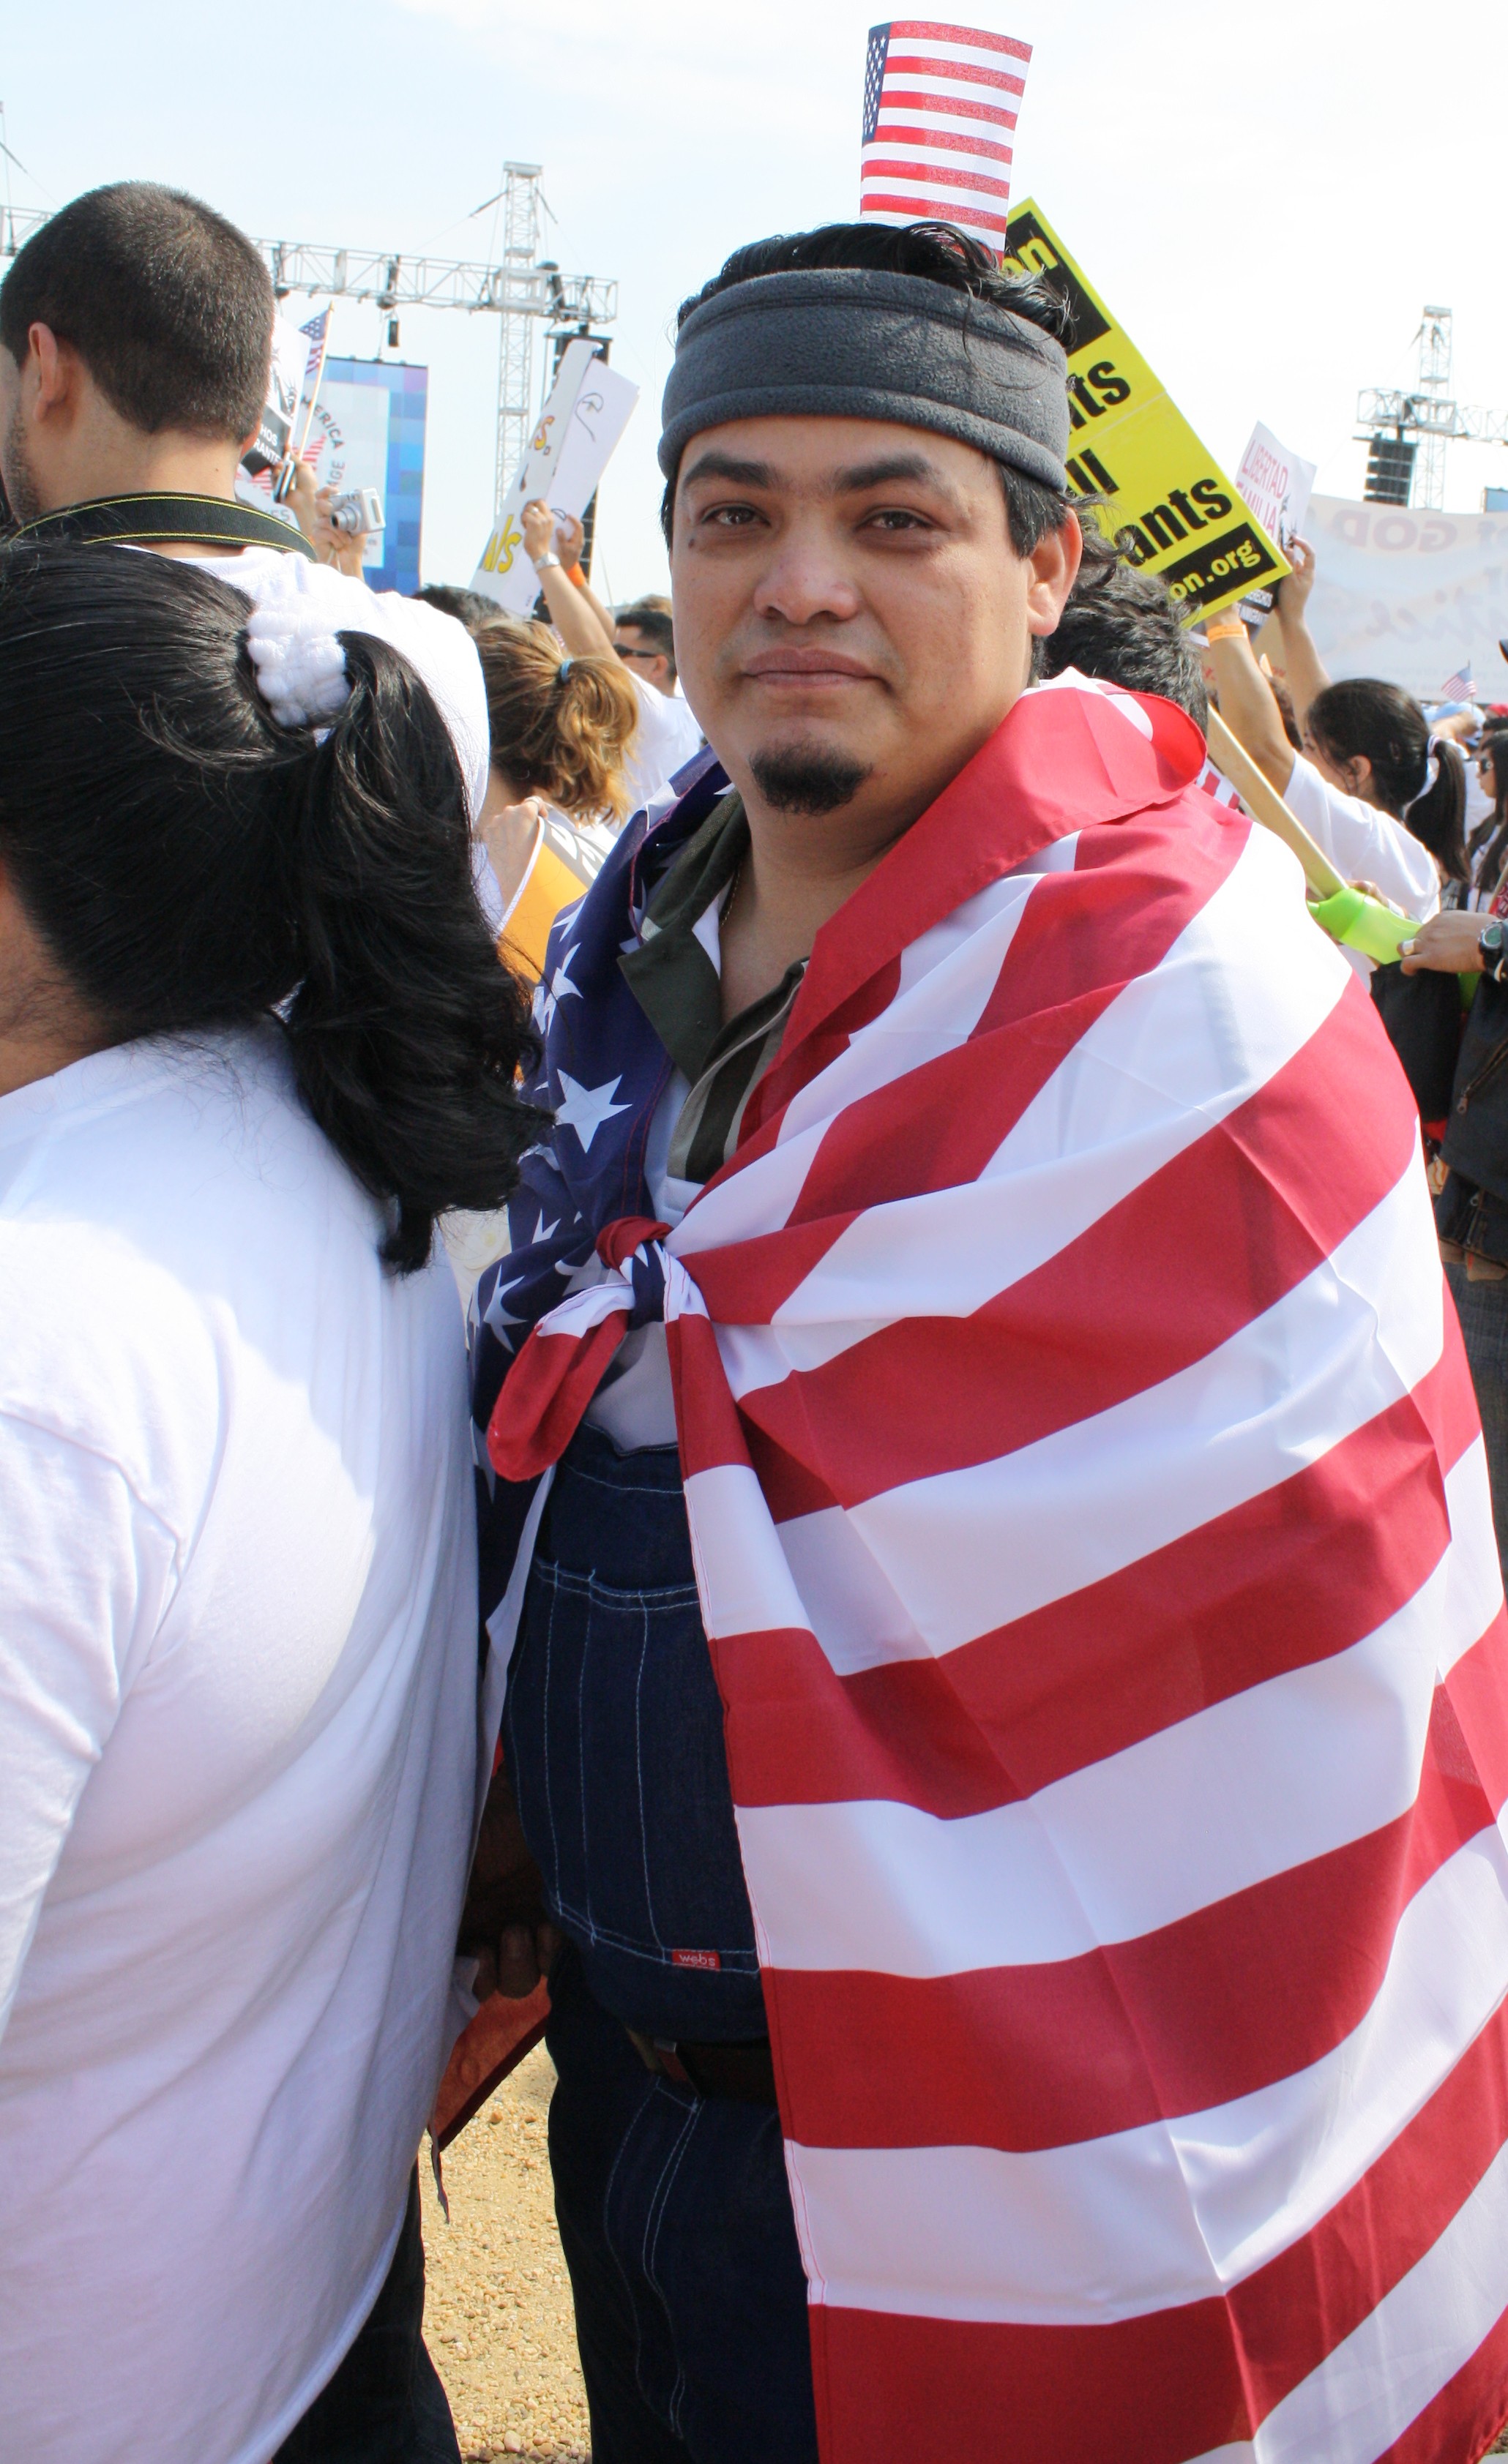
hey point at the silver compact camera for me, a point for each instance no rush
(360, 509)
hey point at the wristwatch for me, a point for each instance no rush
(542, 563)
(1490, 941)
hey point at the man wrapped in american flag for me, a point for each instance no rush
(985, 1530)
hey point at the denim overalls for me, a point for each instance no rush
(674, 2209)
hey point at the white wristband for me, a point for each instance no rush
(542, 563)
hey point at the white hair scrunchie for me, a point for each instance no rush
(291, 637)
(1431, 769)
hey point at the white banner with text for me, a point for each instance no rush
(1409, 595)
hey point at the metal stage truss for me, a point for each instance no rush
(523, 290)
(1406, 432)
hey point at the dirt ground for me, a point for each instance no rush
(498, 2314)
(497, 2317)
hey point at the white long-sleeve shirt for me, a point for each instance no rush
(237, 1743)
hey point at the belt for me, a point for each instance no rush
(1478, 1269)
(743, 2071)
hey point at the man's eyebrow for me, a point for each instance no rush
(885, 471)
(714, 465)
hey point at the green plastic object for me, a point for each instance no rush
(1364, 924)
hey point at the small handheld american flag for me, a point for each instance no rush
(939, 111)
(317, 330)
(1458, 687)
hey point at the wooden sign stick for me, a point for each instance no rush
(1266, 805)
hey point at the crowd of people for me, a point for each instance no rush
(876, 1095)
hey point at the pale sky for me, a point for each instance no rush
(1266, 195)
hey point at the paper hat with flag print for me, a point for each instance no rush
(940, 114)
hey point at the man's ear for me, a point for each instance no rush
(1053, 570)
(52, 373)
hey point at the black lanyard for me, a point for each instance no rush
(137, 521)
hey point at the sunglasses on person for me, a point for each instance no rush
(625, 651)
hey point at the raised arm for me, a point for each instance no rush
(1248, 703)
(1302, 665)
(571, 537)
(572, 613)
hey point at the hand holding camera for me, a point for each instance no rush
(337, 526)
(357, 512)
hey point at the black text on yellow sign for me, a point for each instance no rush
(1181, 515)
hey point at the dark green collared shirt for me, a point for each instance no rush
(675, 985)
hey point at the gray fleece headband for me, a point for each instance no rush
(839, 344)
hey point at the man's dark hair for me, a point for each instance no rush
(652, 618)
(938, 253)
(168, 306)
(470, 607)
(1123, 626)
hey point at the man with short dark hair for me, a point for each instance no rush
(136, 329)
(136, 332)
(643, 634)
(1124, 626)
(468, 606)
(944, 1531)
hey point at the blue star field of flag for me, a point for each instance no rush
(601, 1074)
(874, 77)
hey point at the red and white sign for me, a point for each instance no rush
(1274, 485)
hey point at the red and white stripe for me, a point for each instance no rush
(1214, 783)
(939, 146)
(1092, 1529)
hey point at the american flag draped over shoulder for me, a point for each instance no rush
(1092, 1530)
(939, 111)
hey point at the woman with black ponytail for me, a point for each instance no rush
(1372, 741)
(254, 1040)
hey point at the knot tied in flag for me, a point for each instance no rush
(566, 1356)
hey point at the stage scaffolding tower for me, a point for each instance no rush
(1406, 434)
(520, 254)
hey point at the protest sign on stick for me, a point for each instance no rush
(1130, 442)
(1274, 485)
(599, 416)
(284, 385)
(584, 417)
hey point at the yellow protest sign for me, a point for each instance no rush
(1131, 443)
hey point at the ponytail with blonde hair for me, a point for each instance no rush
(562, 727)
